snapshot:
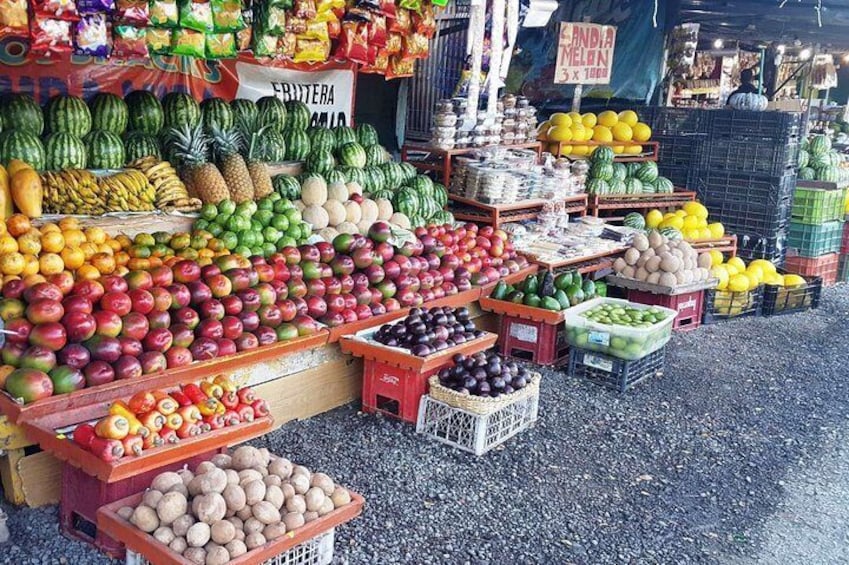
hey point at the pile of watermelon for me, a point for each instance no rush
(421, 200)
(818, 161)
(608, 177)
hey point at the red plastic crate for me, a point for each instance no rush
(83, 494)
(825, 266)
(394, 391)
(844, 243)
(535, 341)
(690, 306)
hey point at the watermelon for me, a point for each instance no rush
(104, 149)
(804, 157)
(828, 174)
(352, 155)
(271, 112)
(597, 186)
(22, 112)
(819, 161)
(633, 168)
(273, 146)
(633, 185)
(336, 175)
(443, 217)
(807, 173)
(386, 193)
(670, 233)
(320, 161)
(180, 110)
(23, 145)
(298, 115)
(819, 145)
(109, 112)
(392, 172)
(833, 159)
(216, 114)
(297, 144)
(601, 170)
(344, 135)
(635, 220)
(440, 195)
(322, 139)
(68, 114)
(427, 206)
(138, 144)
(286, 186)
(417, 221)
(616, 186)
(647, 172)
(620, 171)
(64, 151)
(367, 135)
(406, 201)
(663, 185)
(243, 109)
(376, 155)
(375, 178)
(355, 175)
(145, 112)
(603, 154)
(421, 184)
(409, 171)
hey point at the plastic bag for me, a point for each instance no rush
(61, 9)
(92, 36)
(387, 8)
(14, 18)
(322, 6)
(94, 6)
(296, 25)
(132, 12)
(311, 50)
(158, 40)
(130, 43)
(188, 42)
(334, 28)
(394, 43)
(50, 36)
(378, 62)
(196, 15)
(416, 46)
(244, 35)
(287, 45)
(377, 30)
(424, 22)
(305, 9)
(368, 5)
(413, 5)
(402, 22)
(164, 13)
(315, 30)
(227, 16)
(264, 45)
(271, 20)
(353, 41)
(220, 45)
(399, 67)
(285, 4)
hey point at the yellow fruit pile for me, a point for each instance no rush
(735, 276)
(691, 220)
(607, 127)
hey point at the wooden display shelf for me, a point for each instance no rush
(604, 202)
(462, 298)
(650, 155)
(506, 308)
(399, 358)
(573, 263)
(157, 553)
(726, 244)
(17, 413)
(470, 210)
(44, 431)
(443, 159)
(349, 329)
(131, 223)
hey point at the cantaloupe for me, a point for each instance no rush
(337, 191)
(335, 212)
(328, 233)
(299, 204)
(363, 226)
(316, 216)
(400, 220)
(369, 211)
(384, 209)
(353, 212)
(314, 191)
(347, 227)
(354, 188)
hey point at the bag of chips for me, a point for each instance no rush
(412, 5)
(158, 40)
(305, 9)
(196, 15)
(129, 43)
(334, 28)
(402, 22)
(61, 9)
(367, 5)
(164, 13)
(188, 42)
(94, 6)
(387, 8)
(315, 30)
(285, 4)
(415, 46)
(244, 35)
(227, 16)
(132, 12)
(424, 22)
(311, 51)
(378, 63)
(353, 41)
(394, 43)
(377, 30)
(92, 36)
(220, 46)
(399, 67)
(271, 20)
(264, 45)
(50, 36)
(14, 18)
(296, 25)
(287, 45)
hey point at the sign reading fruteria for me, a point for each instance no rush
(584, 53)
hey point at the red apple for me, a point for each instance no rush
(108, 323)
(376, 296)
(250, 299)
(127, 367)
(226, 347)
(98, 373)
(288, 310)
(64, 281)
(391, 304)
(210, 270)
(211, 309)
(385, 251)
(265, 335)
(335, 304)
(180, 295)
(13, 289)
(139, 280)
(11, 353)
(332, 285)
(297, 288)
(232, 305)
(363, 311)
(350, 316)
(347, 282)
(267, 294)
(182, 335)
(114, 283)
(118, 302)
(250, 320)
(186, 316)
(79, 326)
(342, 265)
(309, 253)
(316, 288)
(39, 358)
(375, 274)
(142, 300)
(331, 319)
(153, 362)
(239, 279)
(363, 257)
(246, 341)
(270, 315)
(219, 285)
(377, 309)
(210, 328)
(391, 269)
(91, 289)
(45, 310)
(162, 276)
(295, 272)
(363, 296)
(186, 271)
(325, 251)
(281, 289)
(232, 327)
(281, 271)
(158, 339)
(134, 325)
(198, 292)
(104, 348)
(18, 331)
(265, 273)
(178, 357)
(74, 355)
(161, 299)
(300, 306)
(350, 301)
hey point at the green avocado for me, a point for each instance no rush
(500, 291)
(531, 285)
(550, 303)
(589, 289)
(532, 300)
(562, 299)
(563, 281)
(516, 297)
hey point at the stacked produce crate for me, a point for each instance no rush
(816, 230)
(680, 134)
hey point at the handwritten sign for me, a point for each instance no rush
(584, 53)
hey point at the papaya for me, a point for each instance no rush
(27, 192)
(16, 165)
(7, 207)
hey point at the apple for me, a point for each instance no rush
(265, 273)
(108, 323)
(384, 251)
(161, 299)
(265, 335)
(360, 281)
(13, 288)
(250, 299)
(270, 315)
(11, 353)
(250, 320)
(295, 272)
(139, 280)
(159, 319)
(407, 297)
(141, 300)
(350, 316)
(134, 325)
(226, 347)
(297, 288)
(437, 292)
(232, 305)
(300, 306)
(153, 362)
(257, 260)
(114, 283)
(427, 295)
(79, 326)
(391, 304)
(433, 261)
(98, 373)
(391, 269)
(253, 277)
(162, 276)
(232, 327)
(211, 309)
(281, 271)
(182, 335)
(246, 341)
(178, 356)
(210, 328)
(204, 349)
(377, 309)
(331, 319)
(186, 316)
(43, 291)
(332, 285)
(281, 289)
(316, 306)
(118, 302)
(13, 308)
(376, 296)
(350, 301)
(309, 253)
(325, 251)
(316, 288)
(39, 358)
(375, 274)
(104, 348)
(91, 289)
(288, 310)
(267, 294)
(18, 330)
(199, 292)
(363, 296)
(66, 379)
(219, 285)
(130, 346)
(210, 270)
(73, 355)
(335, 304)
(363, 257)
(363, 311)
(186, 271)
(158, 339)
(347, 282)
(180, 295)
(342, 265)
(127, 367)
(305, 325)
(45, 310)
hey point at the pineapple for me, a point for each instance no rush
(190, 146)
(261, 179)
(253, 149)
(232, 165)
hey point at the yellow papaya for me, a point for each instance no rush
(27, 192)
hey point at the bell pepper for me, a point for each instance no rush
(194, 392)
(165, 405)
(83, 434)
(225, 382)
(212, 390)
(245, 412)
(246, 395)
(190, 414)
(173, 421)
(153, 421)
(151, 441)
(229, 400)
(112, 427)
(120, 408)
(181, 398)
(133, 445)
(107, 449)
(169, 436)
(231, 418)
(142, 402)
(214, 421)
(188, 429)
(260, 408)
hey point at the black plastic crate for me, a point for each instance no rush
(613, 372)
(678, 121)
(775, 127)
(734, 156)
(722, 305)
(750, 216)
(678, 174)
(767, 190)
(754, 246)
(781, 300)
(679, 149)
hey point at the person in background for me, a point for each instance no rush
(747, 77)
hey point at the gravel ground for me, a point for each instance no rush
(737, 455)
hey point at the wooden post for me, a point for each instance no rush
(576, 98)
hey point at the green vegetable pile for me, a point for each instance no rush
(550, 292)
(614, 315)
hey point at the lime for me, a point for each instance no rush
(201, 224)
(280, 222)
(226, 207)
(263, 217)
(242, 250)
(208, 212)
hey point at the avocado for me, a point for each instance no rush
(531, 285)
(550, 303)
(563, 281)
(546, 287)
(516, 297)
(500, 291)
(575, 294)
(531, 300)
(589, 289)
(600, 288)
(562, 299)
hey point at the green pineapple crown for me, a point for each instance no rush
(188, 145)
(252, 129)
(226, 142)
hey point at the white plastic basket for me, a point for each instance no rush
(315, 551)
(473, 432)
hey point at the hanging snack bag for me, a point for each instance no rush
(367, 5)
(353, 41)
(402, 22)
(264, 45)
(305, 9)
(311, 50)
(378, 64)
(134, 12)
(92, 36)
(129, 43)
(271, 20)
(50, 36)
(164, 13)
(377, 30)
(413, 6)
(244, 35)
(394, 44)
(227, 16)
(415, 46)
(220, 46)
(399, 67)
(424, 22)
(188, 42)
(158, 40)
(296, 25)
(387, 8)
(287, 45)
(316, 30)
(62, 9)
(14, 18)
(95, 6)
(196, 15)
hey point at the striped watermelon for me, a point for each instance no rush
(671, 233)
(105, 150)
(352, 155)
(344, 135)
(620, 171)
(409, 171)
(647, 172)
(633, 185)
(421, 184)
(663, 185)
(320, 162)
(216, 113)
(109, 112)
(22, 112)
(819, 145)
(146, 113)
(616, 186)
(272, 112)
(274, 145)
(336, 175)
(443, 217)
(393, 173)
(180, 110)
(367, 135)
(406, 201)
(297, 144)
(298, 115)
(138, 144)
(322, 139)
(807, 173)
(243, 109)
(440, 194)
(597, 186)
(23, 145)
(634, 220)
(64, 151)
(803, 159)
(287, 187)
(427, 206)
(828, 174)
(355, 175)
(603, 154)
(376, 155)
(602, 170)
(417, 221)
(68, 114)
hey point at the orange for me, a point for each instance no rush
(12, 263)
(104, 263)
(30, 244)
(51, 264)
(68, 223)
(95, 235)
(52, 241)
(114, 244)
(18, 224)
(88, 272)
(104, 248)
(73, 237)
(8, 244)
(124, 241)
(207, 253)
(49, 227)
(89, 249)
(31, 280)
(73, 257)
(31, 265)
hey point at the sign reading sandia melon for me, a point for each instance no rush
(584, 53)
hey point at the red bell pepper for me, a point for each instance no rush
(142, 402)
(133, 445)
(231, 418)
(194, 393)
(112, 427)
(173, 421)
(151, 441)
(260, 408)
(190, 414)
(212, 390)
(246, 395)
(214, 421)
(230, 400)
(107, 449)
(181, 398)
(169, 436)
(188, 429)
(245, 412)
(153, 421)
(83, 434)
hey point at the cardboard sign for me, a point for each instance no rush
(584, 54)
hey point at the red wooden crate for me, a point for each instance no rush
(533, 340)
(824, 266)
(690, 306)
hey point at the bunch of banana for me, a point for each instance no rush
(171, 193)
(77, 191)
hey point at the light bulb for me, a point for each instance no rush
(718, 43)
(805, 54)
